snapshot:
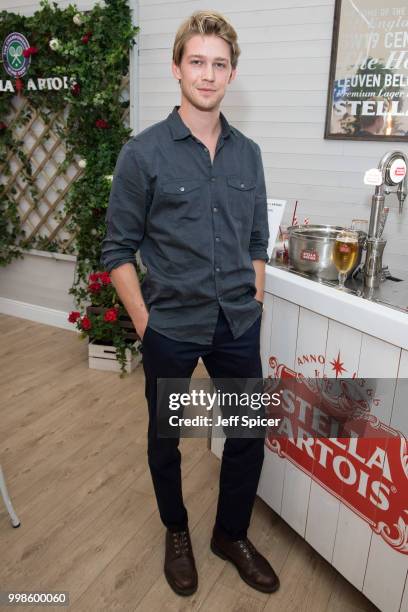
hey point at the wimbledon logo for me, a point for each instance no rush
(15, 64)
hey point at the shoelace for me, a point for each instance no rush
(181, 542)
(248, 548)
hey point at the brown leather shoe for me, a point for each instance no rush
(253, 568)
(179, 564)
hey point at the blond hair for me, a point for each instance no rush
(206, 23)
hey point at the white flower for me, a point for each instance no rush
(82, 163)
(109, 177)
(55, 44)
(98, 99)
(93, 232)
(77, 19)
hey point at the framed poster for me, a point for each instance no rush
(368, 81)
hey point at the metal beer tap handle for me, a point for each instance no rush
(382, 221)
(402, 194)
(392, 173)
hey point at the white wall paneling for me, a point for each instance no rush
(24, 7)
(404, 602)
(311, 340)
(343, 345)
(266, 326)
(280, 335)
(385, 571)
(358, 553)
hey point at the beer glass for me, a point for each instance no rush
(345, 254)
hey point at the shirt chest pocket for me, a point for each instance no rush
(182, 198)
(241, 198)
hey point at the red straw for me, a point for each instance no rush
(294, 213)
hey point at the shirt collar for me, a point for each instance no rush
(179, 130)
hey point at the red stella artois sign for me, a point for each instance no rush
(367, 470)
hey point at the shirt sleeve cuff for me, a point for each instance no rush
(111, 265)
(259, 254)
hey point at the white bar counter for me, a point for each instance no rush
(372, 318)
(352, 508)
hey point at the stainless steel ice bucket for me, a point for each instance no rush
(311, 249)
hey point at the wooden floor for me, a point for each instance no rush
(73, 451)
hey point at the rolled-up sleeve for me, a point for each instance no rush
(260, 231)
(126, 213)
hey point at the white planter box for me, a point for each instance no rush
(103, 357)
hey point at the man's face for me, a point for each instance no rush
(205, 71)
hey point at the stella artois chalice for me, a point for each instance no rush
(345, 253)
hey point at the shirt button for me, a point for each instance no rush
(215, 209)
(182, 188)
(217, 269)
(212, 179)
(205, 150)
(242, 185)
(217, 239)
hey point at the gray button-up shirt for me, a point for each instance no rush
(198, 225)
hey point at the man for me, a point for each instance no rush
(370, 125)
(190, 193)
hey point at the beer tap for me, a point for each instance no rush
(391, 172)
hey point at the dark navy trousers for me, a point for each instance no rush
(242, 457)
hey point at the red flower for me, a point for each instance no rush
(3, 127)
(102, 124)
(105, 278)
(86, 323)
(74, 316)
(94, 277)
(94, 288)
(30, 51)
(75, 89)
(86, 37)
(110, 315)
